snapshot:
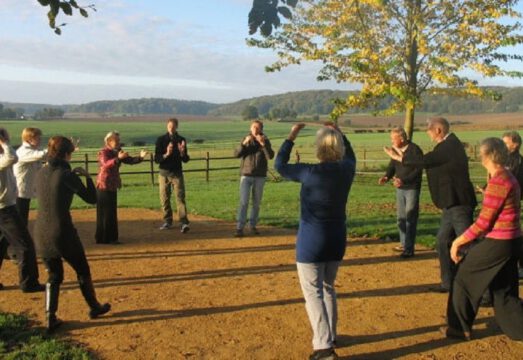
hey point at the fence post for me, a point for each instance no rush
(86, 162)
(207, 159)
(151, 162)
(364, 158)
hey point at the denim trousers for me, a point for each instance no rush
(454, 221)
(407, 212)
(250, 185)
(317, 285)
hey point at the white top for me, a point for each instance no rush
(29, 162)
(7, 178)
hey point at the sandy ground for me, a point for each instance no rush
(207, 295)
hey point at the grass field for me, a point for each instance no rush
(371, 209)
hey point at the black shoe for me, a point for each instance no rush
(455, 334)
(100, 310)
(1, 286)
(238, 233)
(254, 231)
(116, 242)
(34, 288)
(406, 254)
(53, 323)
(323, 354)
(184, 228)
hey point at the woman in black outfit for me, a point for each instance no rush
(55, 234)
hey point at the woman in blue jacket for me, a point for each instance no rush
(322, 233)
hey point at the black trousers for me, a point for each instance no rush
(17, 236)
(76, 259)
(490, 264)
(22, 205)
(106, 217)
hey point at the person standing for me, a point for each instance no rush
(322, 232)
(492, 262)
(512, 141)
(30, 158)
(55, 235)
(407, 181)
(450, 189)
(14, 232)
(255, 151)
(108, 182)
(170, 152)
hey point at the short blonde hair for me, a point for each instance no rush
(30, 133)
(329, 145)
(495, 149)
(111, 135)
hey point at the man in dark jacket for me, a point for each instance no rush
(515, 164)
(450, 189)
(407, 181)
(255, 151)
(170, 152)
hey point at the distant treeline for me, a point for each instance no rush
(301, 103)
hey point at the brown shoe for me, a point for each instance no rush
(455, 334)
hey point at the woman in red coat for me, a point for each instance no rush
(107, 183)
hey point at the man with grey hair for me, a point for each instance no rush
(407, 181)
(512, 140)
(450, 189)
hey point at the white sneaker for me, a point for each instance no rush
(184, 228)
(166, 226)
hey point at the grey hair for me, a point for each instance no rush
(495, 149)
(514, 136)
(329, 145)
(440, 122)
(400, 131)
(110, 135)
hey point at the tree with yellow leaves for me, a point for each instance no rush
(399, 49)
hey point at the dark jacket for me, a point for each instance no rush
(173, 163)
(254, 158)
(448, 174)
(56, 184)
(408, 174)
(322, 233)
(515, 165)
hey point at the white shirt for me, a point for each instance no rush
(29, 162)
(7, 179)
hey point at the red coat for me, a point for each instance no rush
(108, 178)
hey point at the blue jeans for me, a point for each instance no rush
(454, 221)
(407, 211)
(317, 285)
(255, 185)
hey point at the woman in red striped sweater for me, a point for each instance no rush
(492, 261)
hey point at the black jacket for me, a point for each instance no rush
(173, 163)
(56, 184)
(515, 165)
(448, 174)
(254, 158)
(408, 174)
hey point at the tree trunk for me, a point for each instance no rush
(409, 118)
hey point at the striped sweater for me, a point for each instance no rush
(499, 215)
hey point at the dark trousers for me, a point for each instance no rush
(17, 236)
(106, 217)
(490, 264)
(22, 205)
(76, 260)
(454, 221)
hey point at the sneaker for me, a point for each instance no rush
(455, 334)
(238, 233)
(399, 248)
(166, 226)
(254, 231)
(184, 228)
(323, 354)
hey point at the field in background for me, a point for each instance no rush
(371, 209)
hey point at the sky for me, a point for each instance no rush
(180, 49)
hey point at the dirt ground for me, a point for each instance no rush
(208, 295)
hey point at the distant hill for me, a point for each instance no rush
(299, 103)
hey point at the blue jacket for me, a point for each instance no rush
(322, 233)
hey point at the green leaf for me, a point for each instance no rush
(286, 13)
(57, 31)
(44, 2)
(84, 13)
(66, 8)
(74, 4)
(292, 3)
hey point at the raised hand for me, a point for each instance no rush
(295, 130)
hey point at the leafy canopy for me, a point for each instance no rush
(401, 48)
